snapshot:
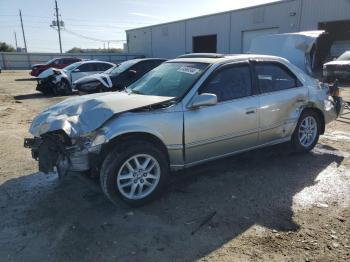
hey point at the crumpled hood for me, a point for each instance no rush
(83, 114)
(49, 72)
(336, 62)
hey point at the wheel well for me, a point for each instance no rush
(139, 136)
(320, 116)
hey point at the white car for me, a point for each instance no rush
(60, 81)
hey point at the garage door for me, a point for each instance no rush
(247, 36)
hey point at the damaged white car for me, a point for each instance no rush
(187, 111)
(55, 81)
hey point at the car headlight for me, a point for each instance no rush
(90, 85)
(91, 141)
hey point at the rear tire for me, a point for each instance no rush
(135, 171)
(307, 132)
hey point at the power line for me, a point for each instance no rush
(91, 38)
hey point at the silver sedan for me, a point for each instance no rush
(187, 111)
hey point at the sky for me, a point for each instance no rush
(103, 20)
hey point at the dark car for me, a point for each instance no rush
(338, 69)
(117, 77)
(58, 63)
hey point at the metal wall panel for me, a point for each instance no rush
(283, 15)
(139, 41)
(210, 25)
(315, 11)
(168, 40)
(288, 16)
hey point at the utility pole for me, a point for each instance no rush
(108, 46)
(24, 37)
(16, 40)
(58, 26)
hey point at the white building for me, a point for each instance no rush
(232, 31)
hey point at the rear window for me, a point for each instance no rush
(274, 77)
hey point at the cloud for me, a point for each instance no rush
(147, 15)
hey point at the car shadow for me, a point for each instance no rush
(202, 209)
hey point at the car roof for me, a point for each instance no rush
(95, 61)
(146, 59)
(219, 58)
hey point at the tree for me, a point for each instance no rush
(94, 50)
(4, 47)
(75, 50)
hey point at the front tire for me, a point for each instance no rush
(307, 132)
(135, 171)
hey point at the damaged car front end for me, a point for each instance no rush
(68, 136)
(56, 152)
(53, 82)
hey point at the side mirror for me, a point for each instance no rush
(76, 70)
(131, 73)
(204, 99)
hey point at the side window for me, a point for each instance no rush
(275, 77)
(64, 61)
(141, 67)
(103, 67)
(230, 83)
(57, 62)
(89, 67)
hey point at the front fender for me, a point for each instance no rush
(165, 126)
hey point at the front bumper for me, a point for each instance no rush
(57, 157)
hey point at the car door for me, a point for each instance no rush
(82, 70)
(229, 126)
(281, 100)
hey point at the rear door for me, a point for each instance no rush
(230, 125)
(101, 67)
(281, 99)
(83, 70)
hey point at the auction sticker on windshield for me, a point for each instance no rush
(188, 70)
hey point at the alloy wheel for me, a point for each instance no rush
(138, 176)
(307, 131)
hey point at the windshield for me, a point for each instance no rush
(169, 79)
(72, 66)
(122, 67)
(50, 61)
(344, 57)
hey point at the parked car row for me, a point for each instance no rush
(184, 112)
(117, 77)
(94, 76)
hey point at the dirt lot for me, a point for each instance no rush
(268, 205)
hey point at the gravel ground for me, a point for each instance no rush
(267, 205)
